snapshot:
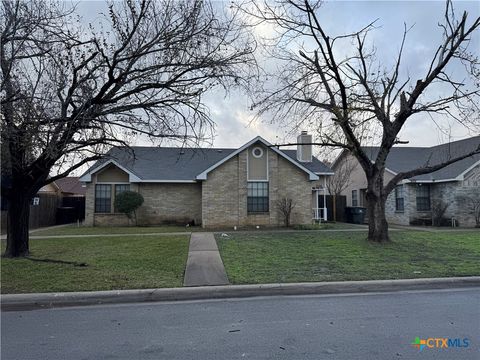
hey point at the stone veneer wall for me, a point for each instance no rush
(401, 217)
(224, 193)
(448, 192)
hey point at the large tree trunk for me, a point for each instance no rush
(377, 222)
(18, 224)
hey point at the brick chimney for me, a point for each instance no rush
(304, 152)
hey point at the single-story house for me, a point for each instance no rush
(209, 186)
(414, 200)
(70, 186)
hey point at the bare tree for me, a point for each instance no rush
(337, 183)
(471, 201)
(439, 208)
(340, 181)
(67, 94)
(285, 206)
(349, 97)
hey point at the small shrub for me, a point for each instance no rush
(285, 206)
(128, 202)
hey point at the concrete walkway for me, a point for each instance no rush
(204, 264)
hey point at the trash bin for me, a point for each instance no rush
(66, 215)
(355, 214)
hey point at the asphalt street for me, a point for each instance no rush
(353, 326)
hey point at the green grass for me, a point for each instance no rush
(112, 263)
(101, 230)
(328, 226)
(336, 256)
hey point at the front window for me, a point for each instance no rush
(399, 204)
(103, 198)
(257, 197)
(104, 194)
(423, 198)
(354, 198)
(119, 188)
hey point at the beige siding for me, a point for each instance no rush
(358, 180)
(112, 174)
(258, 167)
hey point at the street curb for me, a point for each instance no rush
(13, 302)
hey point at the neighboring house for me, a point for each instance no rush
(64, 187)
(413, 199)
(52, 199)
(70, 186)
(59, 202)
(50, 189)
(211, 187)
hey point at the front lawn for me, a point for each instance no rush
(129, 262)
(336, 256)
(100, 230)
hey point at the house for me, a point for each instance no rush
(59, 202)
(209, 186)
(64, 187)
(72, 200)
(70, 186)
(414, 200)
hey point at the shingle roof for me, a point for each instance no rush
(173, 163)
(403, 159)
(316, 165)
(165, 163)
(71, 185)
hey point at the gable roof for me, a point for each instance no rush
(173, 164)
(316, 165)
(312, 175)
(70, 185)
(403, 159)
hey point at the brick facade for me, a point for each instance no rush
(224, 193)
(218, 201)
(175, 203)
(163, 203)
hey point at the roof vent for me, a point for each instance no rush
(182, 152)
(219, 150)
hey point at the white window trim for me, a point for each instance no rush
(253, 152)
(112, 183)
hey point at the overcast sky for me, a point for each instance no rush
(233, 117)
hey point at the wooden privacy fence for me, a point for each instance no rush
(338, 209)
(44, 214)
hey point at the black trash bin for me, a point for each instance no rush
(355, 214)
(66, 215)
